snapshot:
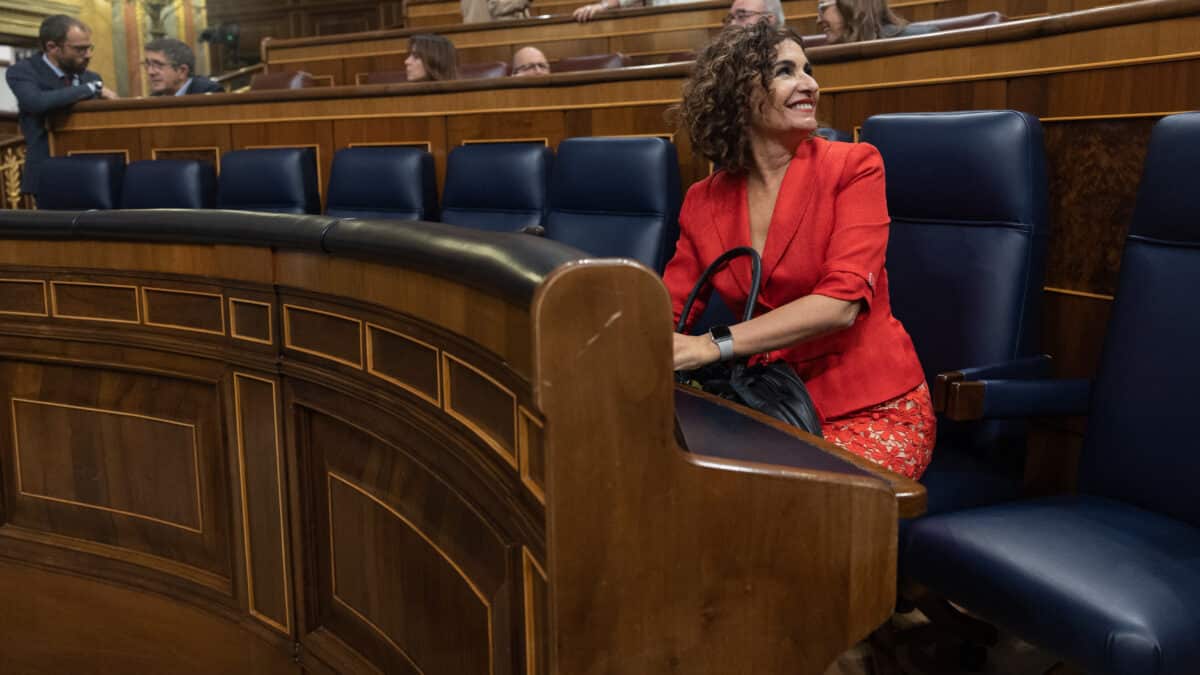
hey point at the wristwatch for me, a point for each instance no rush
(723, 338)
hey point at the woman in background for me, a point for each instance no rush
(817, 213)
(861, 20)
(430, 58)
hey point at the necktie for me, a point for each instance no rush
(68, 80)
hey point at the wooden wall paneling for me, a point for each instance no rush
(662, 41)
(261, 477)
(165, 511)
(855, 106)
(1094, 167)
(488, 53)
(63, 144)
(288, 134)
(549, 125)
(1134, 88)
(43, 606)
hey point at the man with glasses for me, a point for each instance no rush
(170, 67)
(750, 12)
(53, 79)
(529, 61)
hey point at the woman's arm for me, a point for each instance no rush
(801, 319)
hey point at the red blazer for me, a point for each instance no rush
(828, 236)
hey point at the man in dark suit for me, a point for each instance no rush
(170, 69)
(52, 80)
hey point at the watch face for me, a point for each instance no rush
(720, 333)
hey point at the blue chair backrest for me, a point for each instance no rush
(382, 182)
(496, 186)
(966, 255)
(1139, 444)
(616, 197)
(272, 180)
(169, 184)
(80, 183)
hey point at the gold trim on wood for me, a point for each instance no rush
(1110, 116)
(233, 321)
(448, 406)
(322, 78)
(285, 573)
(123, 152)
(529, 565)
(137, 305)
(437, 401)
(199, 529)
(45, 298)
(526, 418)
(287, 335)
(146, 304)
(215, 148)
(331, 476)
(393, 144)
(479, 141)
(1079, 294)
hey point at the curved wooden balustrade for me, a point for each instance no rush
(274, 444)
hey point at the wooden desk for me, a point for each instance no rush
(255, 456)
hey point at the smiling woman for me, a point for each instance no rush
(816, 212)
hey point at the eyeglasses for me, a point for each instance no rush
(150, 64)
(526, 67)
(740, 16)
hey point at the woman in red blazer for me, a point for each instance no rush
(817, 212)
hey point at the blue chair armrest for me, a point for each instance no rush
(996, 399)
(1027, 368)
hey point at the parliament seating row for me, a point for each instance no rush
(1106, 578)
(612, 197)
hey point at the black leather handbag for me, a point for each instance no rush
(771, 388)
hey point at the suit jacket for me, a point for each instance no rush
(39, 91)
(828, 236)
(202, 85)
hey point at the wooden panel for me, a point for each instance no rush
(204, 143)
(532, 454)
(184, 310)
(482, 404)
(94, 301)
(1094, 167)
(117, 464)
(23, 297)
(260, 463)
(398, 131)
(539, 125)
(398, 581)
(56, 623)
(329, 335)
(537, 638)
(285, 134)
(251, 320)
(404, 361)
(126, 140)
(137, 466)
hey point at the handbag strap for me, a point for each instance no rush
(755, 278)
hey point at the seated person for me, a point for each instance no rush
(585, 13)
(480, 11)
(861, 20)
(817, 212)
(170, 69)
(750, 12)
(430, 58)
(529, 61)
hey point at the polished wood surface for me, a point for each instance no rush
(288, 461)
(259, 19)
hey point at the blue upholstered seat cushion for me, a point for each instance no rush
(1110, 586)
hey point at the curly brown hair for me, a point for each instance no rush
(716, 110)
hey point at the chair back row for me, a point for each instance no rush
(606, 196)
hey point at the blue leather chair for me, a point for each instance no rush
(272, 180)
(966, 262)
(497, 186)
(1109, 578)
(382, 182)
(616, 197)
(81, 182)
(169, 184)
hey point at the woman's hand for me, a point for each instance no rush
(693, 351)
(585, 13)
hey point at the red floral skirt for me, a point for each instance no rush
(898, 434)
